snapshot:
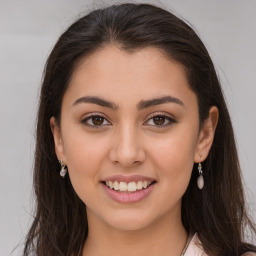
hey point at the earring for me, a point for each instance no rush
(200, 179)
(63, 170)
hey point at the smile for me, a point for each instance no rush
(128, 189)
(132, 186)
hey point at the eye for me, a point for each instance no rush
(160, 120)
(95, 121)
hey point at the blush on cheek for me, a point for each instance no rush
(84, 159)
(174, 161)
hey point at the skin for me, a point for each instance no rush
(129, 142)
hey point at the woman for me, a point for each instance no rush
(135, 149)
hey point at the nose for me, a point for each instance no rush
(127, 149)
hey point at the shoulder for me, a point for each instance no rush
(249, 254)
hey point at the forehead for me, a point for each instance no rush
(114, 72)
(112, 59)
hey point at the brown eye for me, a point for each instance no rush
(97, 120)
(159, 120)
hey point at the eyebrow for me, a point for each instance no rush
(141, 105)
(96, 100)
(166, 99)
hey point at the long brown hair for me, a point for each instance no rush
(217, 213)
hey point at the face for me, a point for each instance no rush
(129, 135)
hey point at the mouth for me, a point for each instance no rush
(130, 187)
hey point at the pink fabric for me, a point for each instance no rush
(194, 248)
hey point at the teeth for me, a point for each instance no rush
(123, 186)
(139, 185)
(130, 187)
(111, 184)
(116, 185)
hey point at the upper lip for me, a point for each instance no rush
(128, 179)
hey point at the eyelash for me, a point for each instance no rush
(151, 116)
(85, 120)
(170, 120)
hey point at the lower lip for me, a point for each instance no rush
(128, 197)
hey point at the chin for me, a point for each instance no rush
(128, 225)
(128, 221)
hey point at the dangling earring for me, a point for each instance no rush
(200, 179)
(63, 170)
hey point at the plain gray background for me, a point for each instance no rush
(28, 31)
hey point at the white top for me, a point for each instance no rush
(195, 249)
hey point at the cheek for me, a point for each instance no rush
(174, 159)
(84, 158)
(83, 150)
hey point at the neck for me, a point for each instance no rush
(166, 236)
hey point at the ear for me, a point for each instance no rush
(59, 148)
(206, 135)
